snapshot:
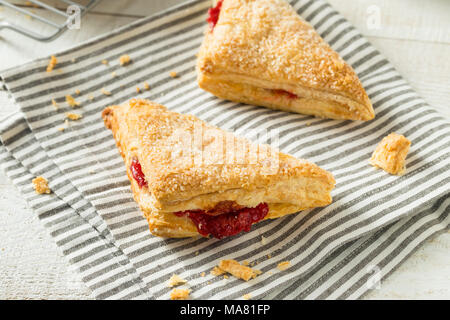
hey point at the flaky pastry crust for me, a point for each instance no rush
(390, 154)
(184, 173)
(259, 47)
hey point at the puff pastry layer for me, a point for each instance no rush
(262, 52)
(390, 154)
(189, 165)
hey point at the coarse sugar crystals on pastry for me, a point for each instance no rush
(390, 154)
(189, 182)
(262, 52)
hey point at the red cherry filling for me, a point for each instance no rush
(288, 94)
(226, 224)
(213, 14)
(137, 173)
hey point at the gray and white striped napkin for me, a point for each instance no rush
(375, 221)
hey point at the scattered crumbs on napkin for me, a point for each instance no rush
(216, 271)
(105, 92)
(51, 64)
(55, 104)
(173, 74)
(237, 270)
(71, 101)
(41, 185)
(263, 240)
(176, 280)
(73, 116)
(124, 60)
(283, 265)
(179, 294)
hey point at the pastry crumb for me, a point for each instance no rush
(390, 154)
(138, 90)
(73, 60)
(55, 104)
(146, 86)
(40, 185)
(283, 265)
(71, 101)
(237, 270)
(105, 92)
(78, 92)
(263, 240)
(179, 294)
(124, 60)
(105, 62)
(73, 116)
(30, 4)
(245, 263)
(247, 296)
(173, 74)
(176, 280)
(61, 129)
(216, 271)
(113, 74)
(52, 63)
(202, 274)
(91, 97)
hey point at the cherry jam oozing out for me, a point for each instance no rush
(213, 14)
(226, 224)
(288, 94)
(138, 175)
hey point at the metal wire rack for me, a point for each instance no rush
(55, 15)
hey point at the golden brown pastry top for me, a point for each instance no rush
(267, 39)
(178, 167)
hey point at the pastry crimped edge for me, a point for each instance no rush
(237, 65)
(307, 182)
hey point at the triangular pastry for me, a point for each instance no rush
(262, 52)
(191, 178)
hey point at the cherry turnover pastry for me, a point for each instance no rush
(191, 178)
(262, 52)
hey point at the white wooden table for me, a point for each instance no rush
(413, 34)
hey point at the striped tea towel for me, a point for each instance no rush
(341, 251)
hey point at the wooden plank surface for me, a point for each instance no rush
(412, 34)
